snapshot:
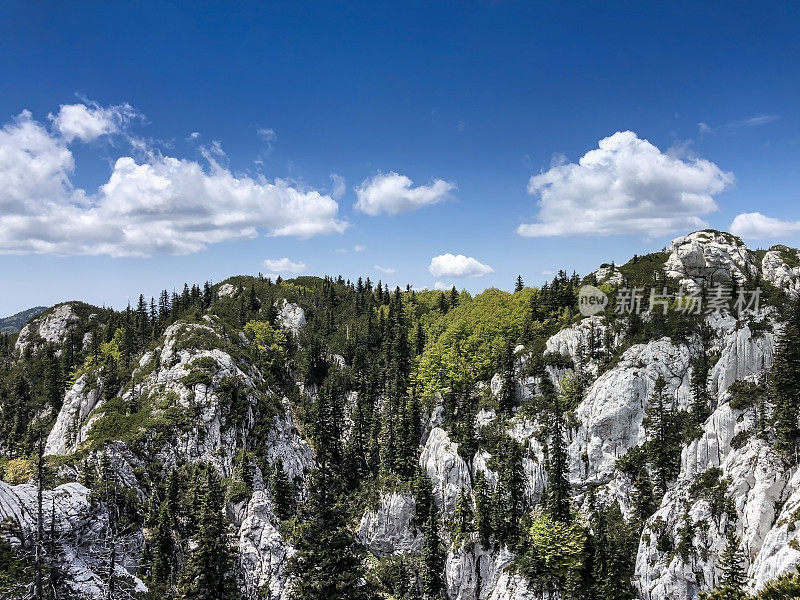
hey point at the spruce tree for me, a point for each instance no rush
(283, 492)
(508, 386)
(209, 572)
(730, 564)
(663, 437)
(519, 285)
(327, 564)
(483, 516)
(785, 386)
(433, 560)
(558, 487)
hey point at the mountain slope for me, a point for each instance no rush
(500, 446)
(16, 322)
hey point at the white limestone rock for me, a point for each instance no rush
(388, 529)
(608, 274)
(612, 411)
(71, 426)
(226, 290)
(448, 472)
(774, 268)
(263, 553)
(52, 327)
(710, 258)
(292, 317)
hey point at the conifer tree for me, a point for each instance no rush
(508, 386)
(785, 386)
(209, 572)
(433, 559)
(663, 437)
(558, 487)
(463, 519)
(483, 513)
(730, 563)
(283, 492)
(519, 285)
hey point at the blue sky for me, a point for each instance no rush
(439, 112)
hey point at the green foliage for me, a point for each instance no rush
(269, 346)
(464, 343)
(555, 558)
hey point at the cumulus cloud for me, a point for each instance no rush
(757, 226)
(441, 286)
(87, 123)
(386, 270)
(392, 193)
(157, 204)
(626, 185)
(284, 265)
(458, 266)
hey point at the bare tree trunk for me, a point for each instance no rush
(37, 580)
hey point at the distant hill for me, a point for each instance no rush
(16, 322)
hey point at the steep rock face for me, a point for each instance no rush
(50, 328)
(71, 427)
(780, 551)
(710, 258)
(388, 529)
(744, 356)
(473, 573)
(756, 484)
(213, 438)
(263, 552)
(577, 340)
(776, 270)
(611, 414)
(447, 470)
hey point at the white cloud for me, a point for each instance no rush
(359, 248)
(267, 134)
(386, 270)
(284, 265)
(339, 186)
(87, 123)
(736, 126)
(626, 185)
(193, 136)
(441, 286)
(392, 193)
(157, 204)
(458, 266)
(757, 226)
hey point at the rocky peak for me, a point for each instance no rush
(709, 257)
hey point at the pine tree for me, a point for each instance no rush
(519, 285)
(663, 437)
(433, 559)
(327, 564)
(283, 492)
(785, 386)
(508, 386)
(209, 572)
(483, 511)
(558, 487)
(730, 564)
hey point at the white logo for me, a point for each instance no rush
(591, 300)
